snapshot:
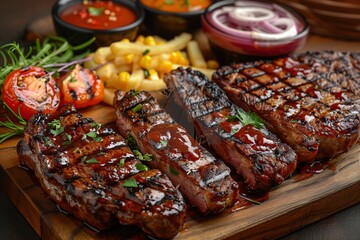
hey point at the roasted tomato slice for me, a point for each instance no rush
(31, 90)
(82, 87)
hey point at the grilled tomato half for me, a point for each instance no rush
(30, 90)
(82, 87)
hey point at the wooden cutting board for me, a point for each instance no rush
(290, 206)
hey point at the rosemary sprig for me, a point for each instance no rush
(48, 54)
(13, 129)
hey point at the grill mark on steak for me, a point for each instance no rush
(85, 176)
(317, 120)
(256, 154)
(204, 180)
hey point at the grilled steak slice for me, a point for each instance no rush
(333, 71)
(90, 172)
(256, 154)
(316, 120)
(204, 180)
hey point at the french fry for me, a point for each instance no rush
(103, 55)
(177, 43)
(109, 94)
(152, 85)
(108, 74)
(196, 57)
(135, 80)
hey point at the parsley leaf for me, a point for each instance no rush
(130, 182)
(55, 127)
(94, 136)
(122, 162)
(142, 157)
(247, 118)
(136, 108)
(95, 11)
(146, 52)
(92, 160)
(141, 167)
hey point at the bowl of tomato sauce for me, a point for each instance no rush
(107, 21)
(168, 18)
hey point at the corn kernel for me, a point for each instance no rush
(183, 59)
(160, 42)
(129, 58)
(140, 39)
(212, 64)
(145, 62)
(149, 41)
(174, 57)
(124, 76)
(125, 40)
(153, 75)
(164, 66)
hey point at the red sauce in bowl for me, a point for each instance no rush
(98, 15)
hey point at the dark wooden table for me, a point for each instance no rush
(17, 14)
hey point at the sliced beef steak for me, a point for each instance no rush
(204, 180)
(255, 153)
(91, 173)
(308, 108)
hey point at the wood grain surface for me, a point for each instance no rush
(296, 202)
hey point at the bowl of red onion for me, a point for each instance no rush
(247, 30)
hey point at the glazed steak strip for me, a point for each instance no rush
(204, 180)
(256, 154)
(317, 123)
(90, 172)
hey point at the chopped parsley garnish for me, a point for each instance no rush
(234, 130)
(72, 79)
(169, 2)
(47, 141)
(130, 182)
(286, 107)
(146, 52)
(131, 142)
(68, 138)
(143, 157)
(247, 118)
(122, 162)
(83, 158)
(146, 73)
(55, 127)
(173, 171)
(141, 167)
(91, 161)
(293, 121)
(94, 136)
(163, 143)
(95, 11)
(96, 125)
(101, 153)
(76, 150)
(136, 108)
(134, 93)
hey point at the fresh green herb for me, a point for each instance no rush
(14, 129)
(163, 143)
(94, 136)
(101, 153)
(143, 157)
(122, 162)
(250, 200)
(92, 161)
(68, 138)
(72, 79)
(173, 171)
(134, 93)
(317, 87)
(141, 167)
(136, 108)
(249, 118)
(47, 141)
(83, 158)
(187, 2)
(76, 150)
(131, 142)
(95, 11)
(51, 53)
(147, 51)
(55, 127)
(130, 182)
(169, 2)
(234, 130)
(146, 73)
(286, 107)
(96, 125)
(293, 121)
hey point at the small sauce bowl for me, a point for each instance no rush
(78, 20)
(228, 45)
(164, 20)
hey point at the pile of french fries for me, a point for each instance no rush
(141, 64)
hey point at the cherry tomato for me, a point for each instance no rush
(82, 87)
(31, 90)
